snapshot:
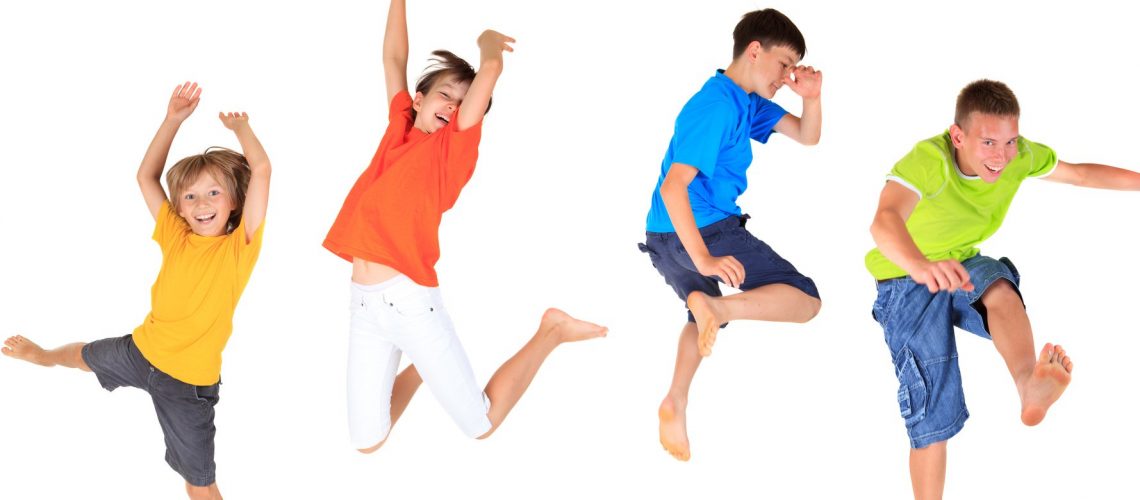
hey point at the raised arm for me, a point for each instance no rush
(491, 47)
(896, 203)
(257, 194)
(396, 50)
(804, 129)
(675, 194)
(182, 104)
(1095, 176)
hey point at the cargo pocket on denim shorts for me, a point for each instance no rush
(912, 388)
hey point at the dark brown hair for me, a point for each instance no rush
(987, 97)
(226, 166)
(771, 29)
(445, 65)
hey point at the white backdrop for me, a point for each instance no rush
(570, 155)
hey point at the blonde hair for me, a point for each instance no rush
(226, 166)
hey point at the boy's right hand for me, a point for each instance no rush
(183, 102)
(727, 268)
(493, 42)
(946, 275)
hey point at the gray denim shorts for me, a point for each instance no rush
(185, 412)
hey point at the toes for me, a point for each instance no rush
(1046, 354)
(6, 350)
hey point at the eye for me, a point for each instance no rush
(445, 96)
(214, 192)
(988, 143)
(188, 197)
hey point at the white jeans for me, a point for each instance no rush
(401, 316)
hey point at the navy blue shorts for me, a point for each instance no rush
(919, 329)
(762, 265)
(185, 412)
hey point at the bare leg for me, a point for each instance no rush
(1040, 380)
(203, 492)
(776, 302)
(402, 391)
(928, 471)
(673, 431)
(511, 380)
(69, 355)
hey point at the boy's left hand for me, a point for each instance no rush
(807, 82)
(233, 121)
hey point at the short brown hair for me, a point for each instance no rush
(226, 166)
(445, 64)
(987, 97)
(769, 27)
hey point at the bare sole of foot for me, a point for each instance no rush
(674, 436)
(707, 325)
(21, 348)
(1050, 377)
(569, 328)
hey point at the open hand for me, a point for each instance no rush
(807, 81)
(184, 101)
(492, 41)
(727, 268)
(946, 275)
(234, 120)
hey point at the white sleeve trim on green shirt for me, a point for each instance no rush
(905, 184)
(1048, 172)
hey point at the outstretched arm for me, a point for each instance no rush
(1095, 176)
(896, 203)
(675, 194)
(492, 44)
(257, 195)
(396, 50)
(807, 128)
(181, 105)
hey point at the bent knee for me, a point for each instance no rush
(810, 310)
(201, 492)
(1001, 293)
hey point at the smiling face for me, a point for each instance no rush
(985, 144)
(436, 108)
(206, 205)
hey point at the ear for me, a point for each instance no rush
(418, 101)
(957, 136)
(754, 49)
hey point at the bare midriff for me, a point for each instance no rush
(370, 273)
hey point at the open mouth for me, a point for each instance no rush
(443, 119)
(205, 218)
(995, 170)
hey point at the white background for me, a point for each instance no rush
(570, 154)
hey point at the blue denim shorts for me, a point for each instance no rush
(185, 412)
(919, 330)
(762, 265)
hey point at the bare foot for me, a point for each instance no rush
(1050, 377)
(570, 329)
(21, 348)
(708, 325)
(674, 436)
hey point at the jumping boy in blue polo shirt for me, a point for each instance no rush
(695, 231)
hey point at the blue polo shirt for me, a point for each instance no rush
(712, 134)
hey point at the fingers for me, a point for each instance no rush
(730, 271)
(947, 275)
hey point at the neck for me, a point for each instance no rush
(739, 75)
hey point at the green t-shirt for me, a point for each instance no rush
(956, 212)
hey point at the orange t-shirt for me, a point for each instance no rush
(392, 213)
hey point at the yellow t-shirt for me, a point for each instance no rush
(192, 302)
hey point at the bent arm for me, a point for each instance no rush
(257, 194)
(806, 129)
(1094, 175)
(182, 104)
(896, 203)
(491, 47)
(396, 50)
